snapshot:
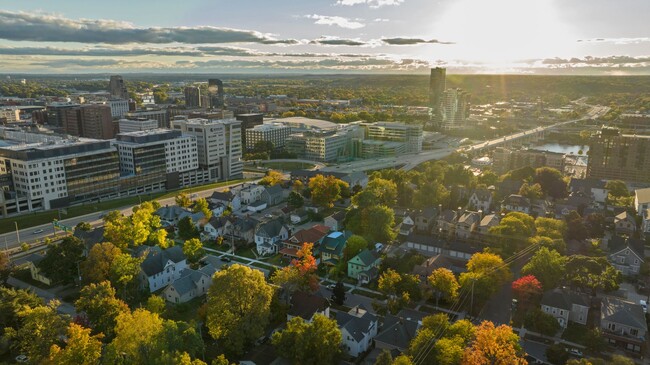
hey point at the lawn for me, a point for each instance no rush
(36, 219)
(184, 311)
(287, 166)
(368, 294)
(575, 333)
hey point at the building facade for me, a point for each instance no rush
(616, 156)
(119, 107)
(454, 109)
(437, 87)
(136, 125)
(89, 121)
(117, 88)
(274, 133)
(158, 150)
(192, 97)
(409, 134)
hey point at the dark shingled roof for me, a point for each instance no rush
(157, 258)
(623, 312)
(483, 194)
(305, 305)
(356, 326)
(563, 300)
(226, 196)
(269, 228)
(397, 332)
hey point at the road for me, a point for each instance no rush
(10, 240)
(408, 162)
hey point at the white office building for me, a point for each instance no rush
(136, 125)
(409, 134)
(119, 107)
(275, 133)
(219, 145)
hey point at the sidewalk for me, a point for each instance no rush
(64, 308)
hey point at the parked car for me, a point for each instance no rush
(225, 259)
(22, 358)
(644, 304)
(575, 352)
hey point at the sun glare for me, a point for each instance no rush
(501, 31)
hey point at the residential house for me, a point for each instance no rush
(227, 198)
(407, 226)
(240, 228)
(625, 223)
(566, 306)
(299, 216)
(312, 235)
(306, 306)
(467, 224)
(335, 221)
(171, 214)
(364, 266)
(424, 270)
(257, 206)
(331, 247)
(273, 195)
(516, 203)
(32, 261)
(160, 267)
(358, 329)
(217, 209)
(540, 208)
(430, 246)
(641, 200)
(397, 331)
(191, 284)
(214, 228)
(623, 323)
(269, 235)
(251, 193)
(90, 238)
(645, 222)
(591, 187)
(626, 254)
(487, 222)
(197, 218)
(481, 199)
(446, 223)
(425, 219)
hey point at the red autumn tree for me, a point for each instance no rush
(527, 289)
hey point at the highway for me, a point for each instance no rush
(408, 162)
(32, 234)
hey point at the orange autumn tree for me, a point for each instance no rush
(494, 346)
(300, 274)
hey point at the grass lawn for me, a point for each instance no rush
(38, 218)
(184, 311)
(246, 252)
(368, 294)
(262, 266)
(277, 260)
(287, 166)
(575, 333)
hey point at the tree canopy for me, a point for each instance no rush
(316, 343)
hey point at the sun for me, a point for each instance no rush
(503, 31)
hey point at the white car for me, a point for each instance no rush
(644, 304)
(22, 358)
(575, 352)
(37, 231)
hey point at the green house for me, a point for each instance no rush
(331, 247)
(364, 266)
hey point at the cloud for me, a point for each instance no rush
(597, 61)
(370, 3)
(335, 41)
(338, 21)
(381, 20)
(20, 26)
(616, 40)
(401, 41)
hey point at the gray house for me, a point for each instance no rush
(626, 254)
(623, 323)
(566, 306)
(272, 195)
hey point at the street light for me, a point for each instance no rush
(17, 234)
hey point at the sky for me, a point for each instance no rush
(590, 37)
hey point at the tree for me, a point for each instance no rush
(617, 188)
(557, 354)
(271, 178)
(488, 178)
(124, 271)
(5, 267)
(316, 343)
(384, 358)
(595, 224)
(295, 200)
(81, 348)
(338, 293)
(12, 301)
(183, 200)
(512, 232)
(401, 288)
(449, 351)
(155, 304)
(187, 229)
(40, 328)
(384, 190)
(547, 266)
(117, 229)
(576, 227)
(486, 272)
(201, 206)
(83, 226)
(101, 307)
(193, 250)
(593, 273)
(432, 328)
(551, 181)
(60, 262)
(494, 345)
(239, 302)
(527, 289)
(97, 266)
(541, 322)
(403, 360)
(444, 283)
(326, 190)
(551, 228)
(531, 191)
(300, 274)
(355, 244)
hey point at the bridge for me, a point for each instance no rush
(410, 161)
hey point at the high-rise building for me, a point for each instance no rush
(274, 133)
(216, 93)
(219, 145)
(192, 97)
(616, 156)
(156, 150)
(90, 121)
(454, 109)
(409, 134)
(119, 107)
(135, 125)
(437, 86)
(160, 115)
(117, 88)
(249, 121)
(326, 146)
(55, 113)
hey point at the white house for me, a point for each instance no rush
(641, 200)
(251, 193)
(215, 227)
(358, 329)
(161, 267)
(269, 235)
(481, 199)
(566, 306)
(227, 198)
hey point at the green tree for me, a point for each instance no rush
(384, 358)
(326, 190)
(239, 301)
(40, 328)
(617, 188)
(97, 266)
(384, 190)
(61, 260)
(541, 322)
(5, 267)
(187, 229)
(557, 354)
(551, 181)
(12, 302)
(354, 245)
(316, 343)
(201, 206)
(83, 226)
(551, 228)
(81, 348)
(577, 230)
(183, 200)
(488, 178)
(444, 284)
(511, 234)
(155, 304)
(531, 191)
(101, 307)
(595, 224)
(338, 293)
(548, 266)
(486, 272)
(118, 229)
(593, 273)
(193, 250)
(295, 200)
(124, 272)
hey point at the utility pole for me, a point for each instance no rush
(471, 305)
(17, 234)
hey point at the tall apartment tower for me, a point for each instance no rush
(216, 93)
(219, 145)
(616, 156)
(192, 97)
(454, 109)
(117, 88)
(437, 86)
(90, 121)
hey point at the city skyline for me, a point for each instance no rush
(327, 36)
